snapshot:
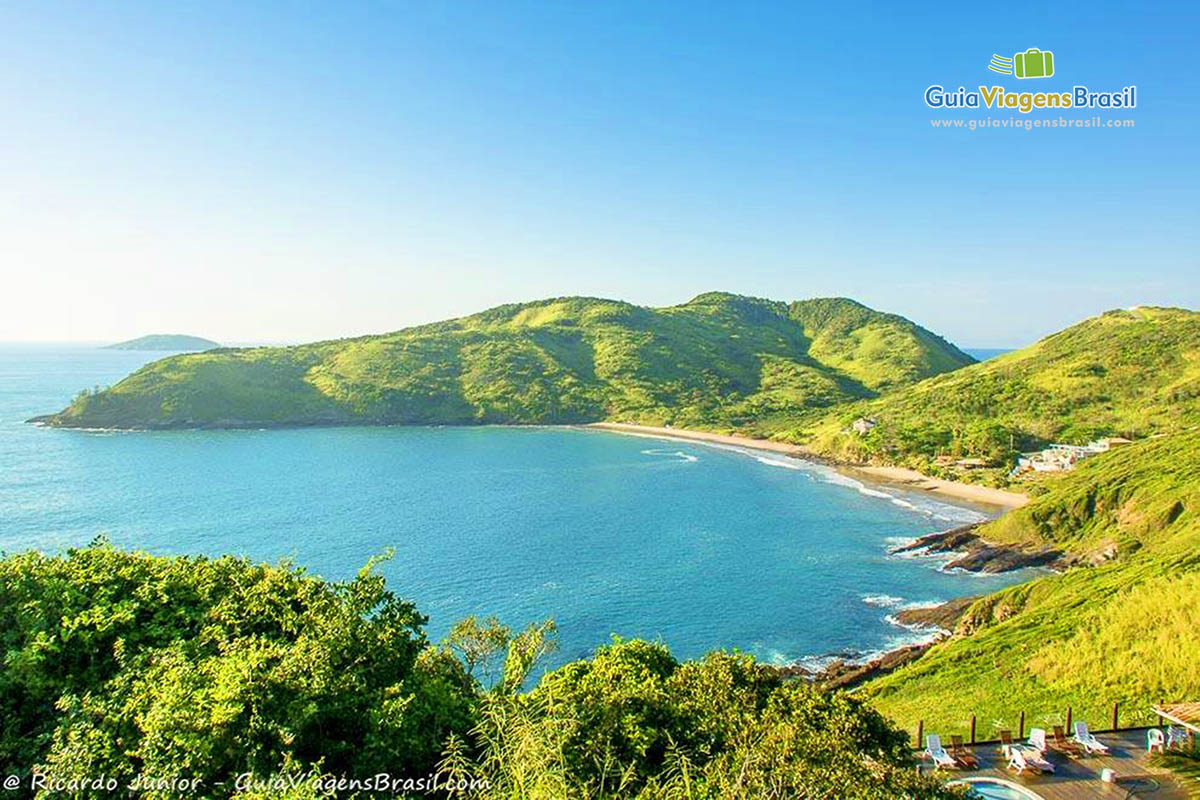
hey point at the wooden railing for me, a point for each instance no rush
(1114, 727)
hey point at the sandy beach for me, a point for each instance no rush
(899, 477)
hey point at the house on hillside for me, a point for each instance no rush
(1064, 457)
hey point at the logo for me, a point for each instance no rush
(1033, 63)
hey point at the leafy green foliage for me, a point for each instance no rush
(1122, 627)
(720, 360)
(1132, 373)
(633, 722)
(162, 670)
(128, 665)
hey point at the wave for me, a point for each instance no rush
(922, 505)
(891, 601)
(882, 600)
(687, 458)
(894, 542)
(826, 474)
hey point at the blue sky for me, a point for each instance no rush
(296, 171)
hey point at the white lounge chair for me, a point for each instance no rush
(934, 749)
(1155, 740)
(1089, 742)
(1018, 762)
(1177, 736)
(1035, 751)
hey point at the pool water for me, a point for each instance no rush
(991, 789)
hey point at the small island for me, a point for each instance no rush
(165, 341)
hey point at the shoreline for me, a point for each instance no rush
(841, 672)
(898, 477)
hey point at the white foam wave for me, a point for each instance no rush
(682, 456)
(882, 600)
(775, 462)
(815, 663)
(892, 601)
(899, 541)
(923, 604)
(930, 508)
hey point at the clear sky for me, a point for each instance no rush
(292, 171)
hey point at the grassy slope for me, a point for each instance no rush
(718, 361)
(1127, 630)
(1132, 372)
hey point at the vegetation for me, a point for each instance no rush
(165, 341)
(1132, 373)
(633, 722)
(719, 361)
(1122, 629)
(128, 665)
(166, 671)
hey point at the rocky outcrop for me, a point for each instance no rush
(944, 616)
(973, 554)
(844, 673)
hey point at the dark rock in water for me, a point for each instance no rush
(1002, 558)
(842, 673)
(944, 616)
(945, 542)
(980, 556)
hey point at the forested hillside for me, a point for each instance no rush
(1128, 373)
(720, 360)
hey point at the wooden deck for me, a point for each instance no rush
(1080, 779)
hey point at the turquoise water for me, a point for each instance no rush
(703, 547)
(989, 789)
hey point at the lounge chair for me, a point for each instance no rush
(965, 758)
(934, 749)
(1065, 746)
(1089, 743)
(1006, 741)
(1155, 740)
(1035, 751)
(1018, 762)
(1177, 736)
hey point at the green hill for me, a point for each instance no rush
(1134, 373)
(1124, 630)
(720, 360)
(165, 341)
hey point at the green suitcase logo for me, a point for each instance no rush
(1033, 63)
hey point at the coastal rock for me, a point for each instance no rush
(845, 673)
(976, 555)
(944, 616)
(949, 541)
(991, 559)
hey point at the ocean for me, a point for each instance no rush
(699, 546)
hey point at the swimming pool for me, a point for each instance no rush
(996, 789)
